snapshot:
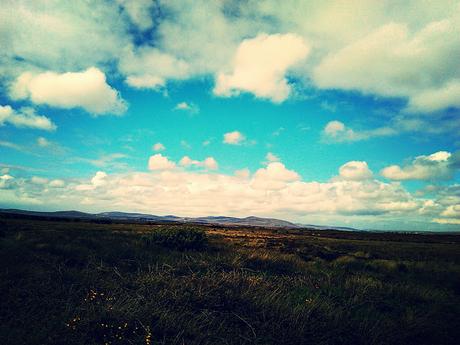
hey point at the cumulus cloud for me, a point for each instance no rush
(260, 66)
(450, 215)
(186, 33)
(355, 170)
(391, 61)
(39, 180)
(336, 131)
(270, 157)
(234, 138)
(160, 162)
(98, 180)
(437, 166)
(208, 163)
(274, 190)
(274, 177)
(188, 107)
(87, 89)
(67, 35)
(452, 211)
(434, 99)
(25, 118)
(405, 51)
(158, 147)
(149, 67)
(5, 180)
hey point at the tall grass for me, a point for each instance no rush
(132, 284)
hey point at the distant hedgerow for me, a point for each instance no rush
(177, 237)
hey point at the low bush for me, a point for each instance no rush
(177, 238)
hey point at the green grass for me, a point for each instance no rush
(83, 283)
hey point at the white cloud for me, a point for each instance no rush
(187, 161)
(234, 138)
(148, 67)
(186, 33)
(270, 157)
(139, 12)
(189, 107)
(274, 191)
(47, 35)
(391, 61)
(446, 220)
(5, 181)
(260, 66)
(145, 81)
(431, 100)
(87, 89)
(274, 177)
(208, 163)
(43, 142)
(451, 215)
(355, 170)
(106, 160)
(160, 162)
(13, 146)
(453, 211)
(98, 180)
(407, 49)
(243, 173)
(437, 166)
(337, 131)
(334, 128)
(25, 118)
(39, 180)
(57, 183)
(158, 147)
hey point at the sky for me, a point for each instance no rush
(342, 113)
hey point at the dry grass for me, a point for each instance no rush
(84, 283)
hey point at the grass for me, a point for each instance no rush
(85, 283)
(174, 237)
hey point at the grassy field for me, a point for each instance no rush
(87, 283)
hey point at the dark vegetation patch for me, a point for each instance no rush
(87, 283)
(175, 237)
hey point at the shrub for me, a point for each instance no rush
(177, 238)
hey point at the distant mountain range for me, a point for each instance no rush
(142, 217)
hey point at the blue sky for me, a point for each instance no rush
(343, 113)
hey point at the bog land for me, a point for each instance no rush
(73, 281)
